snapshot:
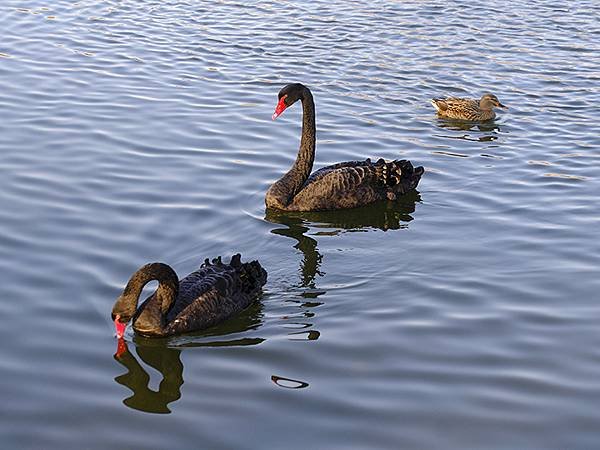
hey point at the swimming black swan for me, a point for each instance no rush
(343, 185)
(204, 298)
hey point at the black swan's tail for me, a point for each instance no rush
(252, 274)
(399, 175)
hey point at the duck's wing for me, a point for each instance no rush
(458, 108)
(353, 183)
(439, 104)
(444, 104)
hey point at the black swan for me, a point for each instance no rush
(202, 299)
(343, 185)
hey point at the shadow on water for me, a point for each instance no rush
(288, 383)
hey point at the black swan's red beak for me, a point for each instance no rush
(119, 327)
(279, 108)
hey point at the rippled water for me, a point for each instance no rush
(462, 316)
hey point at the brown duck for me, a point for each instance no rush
(472, 110)
(343, 185)
(202, 299)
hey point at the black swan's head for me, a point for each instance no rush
(289, 95)
(122, 312)
(489, 101)
(125, 308)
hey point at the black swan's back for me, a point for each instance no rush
(356, 183)
(213, 293)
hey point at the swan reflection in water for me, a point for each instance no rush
(166, 361)
(163, 355)
(390, 215)
(381, 216)
(296, 225)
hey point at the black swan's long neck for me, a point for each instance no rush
(306, 153)
(292, 182)
(152, 317)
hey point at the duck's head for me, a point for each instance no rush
(289, 95)
(489, 101)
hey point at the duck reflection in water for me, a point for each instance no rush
(163, 355)
(488, 131)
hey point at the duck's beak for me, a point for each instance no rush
(279, 108)
(119, 327)
(500, 105)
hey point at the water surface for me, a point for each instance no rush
(464, 315)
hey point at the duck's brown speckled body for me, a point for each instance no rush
(472, 110)
(202, 299)
(344, 185)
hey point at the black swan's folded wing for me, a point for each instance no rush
(355, 183)
(213, 293)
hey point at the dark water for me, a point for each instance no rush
(464, 316)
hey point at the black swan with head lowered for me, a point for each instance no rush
(202, 299)
(343, 185)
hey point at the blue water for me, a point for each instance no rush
(462, 316)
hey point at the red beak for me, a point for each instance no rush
(279, 108)
(119, 327)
